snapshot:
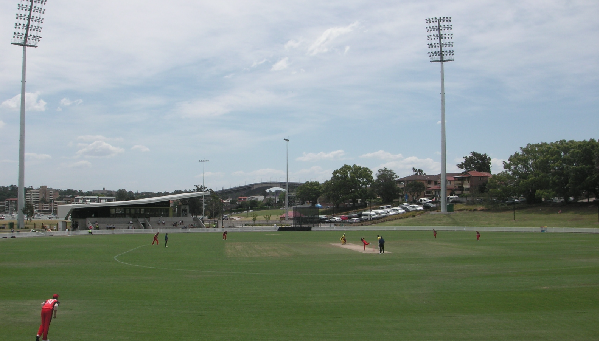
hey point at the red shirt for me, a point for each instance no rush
(49, 304)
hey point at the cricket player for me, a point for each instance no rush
(477, 236)
(48, 309)
(364, 242)
(343, 240)
(165, 239)
(155, 238)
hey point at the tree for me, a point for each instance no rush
(309, 191)
(476, 162)
(121, 195)
(414, 188)
(28, 210)
(418, 171)
(558, 169)
(348, 183)
(385, 185)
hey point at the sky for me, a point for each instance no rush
(132, 94)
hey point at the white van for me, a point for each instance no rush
(424, 200)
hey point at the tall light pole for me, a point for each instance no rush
(438, 40)
(287, 183)
(203, 188)
(26, 34)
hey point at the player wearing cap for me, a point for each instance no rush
(48, 309)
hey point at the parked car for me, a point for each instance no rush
(424, 200)
(428, 205)
(354, 220)
(398, 210)
(335, 220)
(416, 208)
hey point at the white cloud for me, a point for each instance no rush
(80, 164)
(88, 138)
(32, 103)
(259, 63)
(37, 156)
(346, 50)
(141, 148)
(311, 157)
(292, 44)
(221, 105)
(98, 149)
(281, 64)
(383, 155)
(210, 175)
(322, 43)
(67, 102)
(497, 165)
(2, 124)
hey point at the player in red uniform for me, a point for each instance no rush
(364, 242)
(477, 236)
(155, 238)
(435, 233)
(225, 235)
(48, 309)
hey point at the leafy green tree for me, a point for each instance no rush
(28, 210)
(563, 169)
(385, 185)
(476, 162)
(254, 217)
(415, 188)
(121, 195)
(309, 191)
(348, 183)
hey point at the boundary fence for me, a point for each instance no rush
(328, 227)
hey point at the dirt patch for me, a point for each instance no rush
(372, 248)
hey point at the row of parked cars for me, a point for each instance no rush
(380, 212)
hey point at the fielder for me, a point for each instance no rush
(48, 309)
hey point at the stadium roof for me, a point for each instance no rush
(65, 210)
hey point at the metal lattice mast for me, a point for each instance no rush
(27, 29)
(438, 40)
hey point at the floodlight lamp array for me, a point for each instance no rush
(438, 44)
(438, 20)
(29, 19)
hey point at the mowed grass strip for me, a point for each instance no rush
(297, 286)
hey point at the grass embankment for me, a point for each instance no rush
(577, 215)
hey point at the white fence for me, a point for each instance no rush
(327, 227)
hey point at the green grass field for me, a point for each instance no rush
(297, 286)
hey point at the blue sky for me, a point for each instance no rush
(131, 94)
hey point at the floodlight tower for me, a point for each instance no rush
(287, 183)
(203, 187)
(438, 41)
(27, 34)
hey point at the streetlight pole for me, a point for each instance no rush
(287, 183)
(203, 188)
(26, 34)
(437, 41)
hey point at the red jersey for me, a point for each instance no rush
(49, 304)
